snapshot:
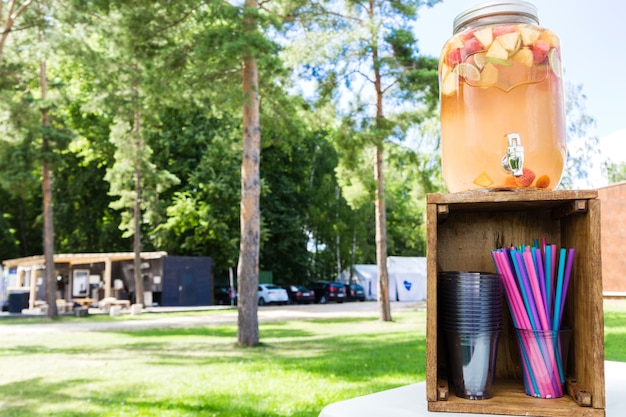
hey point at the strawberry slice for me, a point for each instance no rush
(503, 30)
(454, 57)
(540, 51)
(472, 45)
(526, 179)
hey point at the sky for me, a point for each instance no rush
(592, 34)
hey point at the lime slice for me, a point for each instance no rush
(499, 61)
(468, 71)
(555, 62)
(479, 60)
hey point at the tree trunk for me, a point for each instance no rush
(248, 266)
(381, 215)
(139, 299)
(381, 239)
(48, 240)
(48, 217)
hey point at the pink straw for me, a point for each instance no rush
(542, 279)
(515, 299)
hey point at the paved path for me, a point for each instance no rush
(153, 319)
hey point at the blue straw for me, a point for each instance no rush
(559, 290)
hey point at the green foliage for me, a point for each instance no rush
(365, 58)
(616, 172)
(132, 158)
(177, 65)
(204, 151)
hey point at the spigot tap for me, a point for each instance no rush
(513, 161)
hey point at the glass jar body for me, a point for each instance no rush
(502, 107)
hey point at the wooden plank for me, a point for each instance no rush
(585, 307)
(431, 304)
(569, 208)
(543, 197)
(443, 392)
(509, 399)
(578, 393)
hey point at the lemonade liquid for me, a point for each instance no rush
(495, 80)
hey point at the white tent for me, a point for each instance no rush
(364, 275)
(407, 278)
(409, 275)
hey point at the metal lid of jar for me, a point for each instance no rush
(495, 8)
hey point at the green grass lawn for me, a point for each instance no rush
(300, 367)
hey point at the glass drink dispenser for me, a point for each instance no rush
(502, 107)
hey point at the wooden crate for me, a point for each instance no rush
(463, 228)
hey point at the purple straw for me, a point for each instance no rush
(568, 271)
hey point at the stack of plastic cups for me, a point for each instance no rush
(470, 314)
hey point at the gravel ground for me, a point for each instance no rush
(151, 318)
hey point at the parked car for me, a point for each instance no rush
(355, 292)
(326, 291)
(299, 294)
(271, 293)
(224, 295)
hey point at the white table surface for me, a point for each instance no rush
(410, 400)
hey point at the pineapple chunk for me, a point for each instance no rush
(510, 41)
(496, 50)
(483, 180)
(450, 83)
(484, 36)
(550, 38)
(529, 34)
(445, 70)
(525, 56)
(489, 75)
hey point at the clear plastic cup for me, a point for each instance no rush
(472, 358)
(543, 354)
